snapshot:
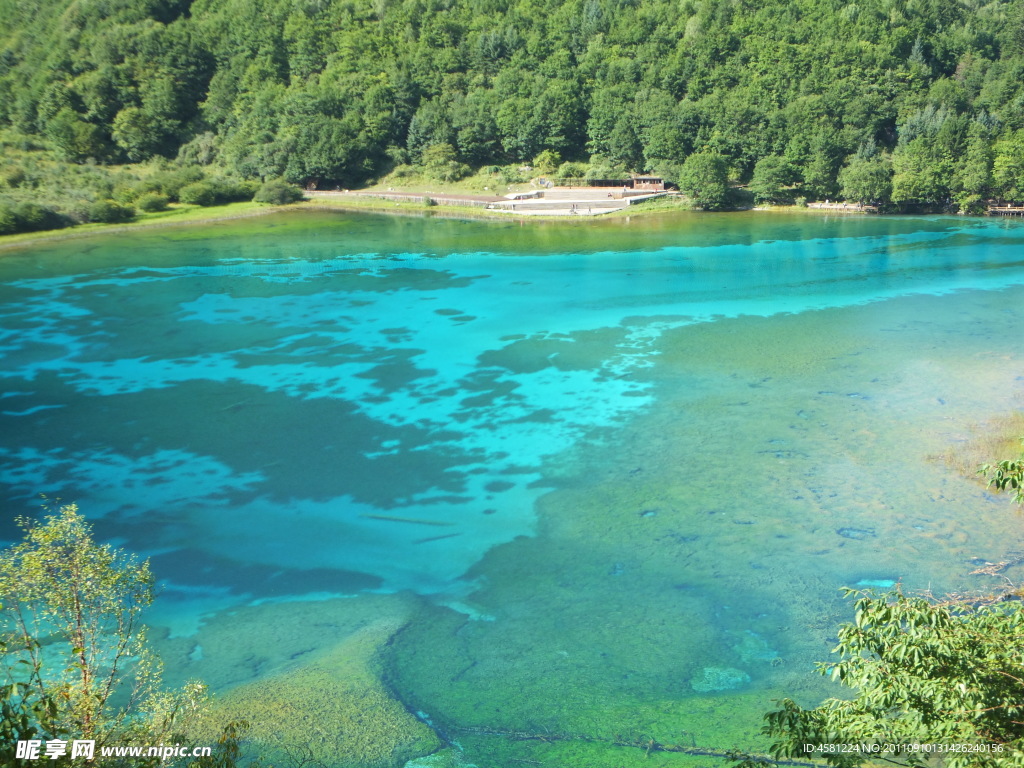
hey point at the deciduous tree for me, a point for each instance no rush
(920, 673)
(705, 178)
(86, 599)
(946, 675)
(866, 180)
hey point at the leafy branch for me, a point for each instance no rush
(1007, 475)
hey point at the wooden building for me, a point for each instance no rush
(637, 183)
(648, 184)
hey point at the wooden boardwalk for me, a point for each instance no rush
(470, 201)
(1006, 210)
(850, 207)
(576, 201)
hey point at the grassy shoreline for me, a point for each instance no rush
(188, 215)
(173, 217)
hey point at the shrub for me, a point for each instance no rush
(73, 638)
(441, 164)
(202, 150)
(572, 170)
(171, 183)
(13, 176)
(601, 167)
(127, 190)
(231, 191)
(277, 192)
(8, 221)
(403, 172)
(217, 192)
(151, 202)
(921, 672)
(110, 212)
(972, 203)
(33, 217)
(77, 212)
(124, 193)
(511, 174)
(546, 162)
(198, 193)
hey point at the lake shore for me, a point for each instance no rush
(177, 216)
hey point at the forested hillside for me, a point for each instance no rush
(920, 101)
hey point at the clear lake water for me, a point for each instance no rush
(620, 470)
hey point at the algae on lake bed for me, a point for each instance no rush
(580, 472)
(323, 703)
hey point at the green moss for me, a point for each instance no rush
(586, 751)
(306, 676)
(333, 709)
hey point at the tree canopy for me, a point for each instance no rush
(338, 92)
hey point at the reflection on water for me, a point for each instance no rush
(632, 463)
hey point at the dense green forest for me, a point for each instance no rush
(906, 102)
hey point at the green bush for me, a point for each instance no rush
(202, 150)
(128, 190)
(511, 174)
(171, 183)
(124, 193)
(231, 191)
(198, 193)
(8, 221)
(217, 192)
(918, 672)
(29, 217)
(151, 202)
(547, 162)
(440, 163)
(13, 176)
(110, 212)
(33, 217)
(571, 170)
(277, 192)
(403, 172)
(76, 212)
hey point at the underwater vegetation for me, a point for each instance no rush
(544, 495)
(332, 710)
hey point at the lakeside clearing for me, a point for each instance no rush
(365, 201)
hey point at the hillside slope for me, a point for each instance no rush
(338, 91)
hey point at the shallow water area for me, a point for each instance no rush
(610, 477)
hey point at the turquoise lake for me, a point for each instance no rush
(611, 475)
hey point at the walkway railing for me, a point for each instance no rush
(1006, 210)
